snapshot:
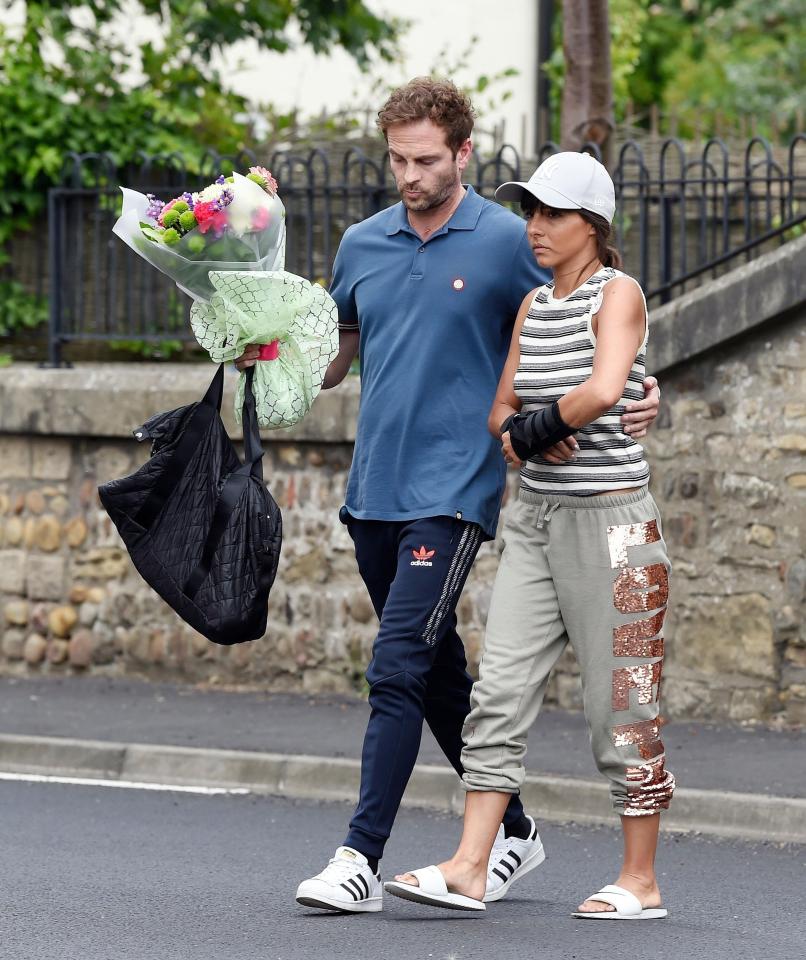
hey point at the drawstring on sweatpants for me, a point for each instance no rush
(546, 512)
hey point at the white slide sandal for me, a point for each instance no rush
(627, 906)
(432, 891)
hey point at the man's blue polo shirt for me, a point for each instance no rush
(435, 321)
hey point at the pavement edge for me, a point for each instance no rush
(720, 813)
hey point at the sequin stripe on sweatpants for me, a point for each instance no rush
(650, 785)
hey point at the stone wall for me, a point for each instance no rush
(729, 475)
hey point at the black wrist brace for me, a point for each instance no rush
(529, 433)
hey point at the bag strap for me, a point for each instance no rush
(215, 391)
(232, 490)
(177, 463)
(253, 451)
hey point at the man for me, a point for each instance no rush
(429, 290)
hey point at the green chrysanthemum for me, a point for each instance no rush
(187, 220)
(171, 236)
(196, 244)
(170, 218)
(180, 206)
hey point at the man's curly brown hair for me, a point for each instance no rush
(425, 98)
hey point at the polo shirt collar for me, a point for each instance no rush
(465, 216)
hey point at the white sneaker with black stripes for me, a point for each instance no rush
(347, 883)
(510, 859)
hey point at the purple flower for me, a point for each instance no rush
(188, 198)
(155, 206)
(221, 179)
(226, 198)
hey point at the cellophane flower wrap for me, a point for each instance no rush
(225, 247)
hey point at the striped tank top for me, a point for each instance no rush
(556, 355)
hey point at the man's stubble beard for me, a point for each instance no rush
(435, 198)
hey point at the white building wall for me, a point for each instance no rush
(507, 37)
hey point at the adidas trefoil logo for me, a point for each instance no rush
(422, 557)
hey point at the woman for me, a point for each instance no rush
(584, 560)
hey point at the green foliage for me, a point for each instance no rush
(71, 80)
(19, 309)
(148, 349)
(700, 60)
(745, 58)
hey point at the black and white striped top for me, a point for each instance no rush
(557, 345)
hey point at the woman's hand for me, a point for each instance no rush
(640, 415)
(249, 357)
(562, 451)
(509, 454)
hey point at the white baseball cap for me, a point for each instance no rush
(567, 181)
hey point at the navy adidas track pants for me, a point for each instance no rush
(414, 571)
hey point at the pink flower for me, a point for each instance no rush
(216, 221)
(260, 218)
(165, 209)
(268, 179)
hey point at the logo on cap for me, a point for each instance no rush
(548, 168)
(458, 284)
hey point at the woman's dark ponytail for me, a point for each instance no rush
(606, 249)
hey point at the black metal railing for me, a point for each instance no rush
(682, 216)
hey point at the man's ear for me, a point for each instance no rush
(464, 153)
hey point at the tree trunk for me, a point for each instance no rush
(587, 107)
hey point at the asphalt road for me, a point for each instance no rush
(90, 873)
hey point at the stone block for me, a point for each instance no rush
(110, 462)
(15, 530)
(59, 505)
(16, 612)
(78, 593)
(797, 481)
(34, 502)
(48, 534)
(57, 651)
(681, 531)
(792, 442)
(761, 534)
(312, 567)
(88, 614)
(102, 563)
(51, 459)
(723, 635)
(44, 577)
(360, 607)
(35, 648)
(12, 571)
(15, 457)
(80, 648)
(796, 581)
(756, 703)
(61, 620)
(13, 644)
(748, 489)
(75, 531)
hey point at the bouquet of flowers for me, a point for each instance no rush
(225, 247)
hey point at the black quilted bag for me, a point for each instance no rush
(200, 526)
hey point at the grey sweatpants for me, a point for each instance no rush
(592, 571)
